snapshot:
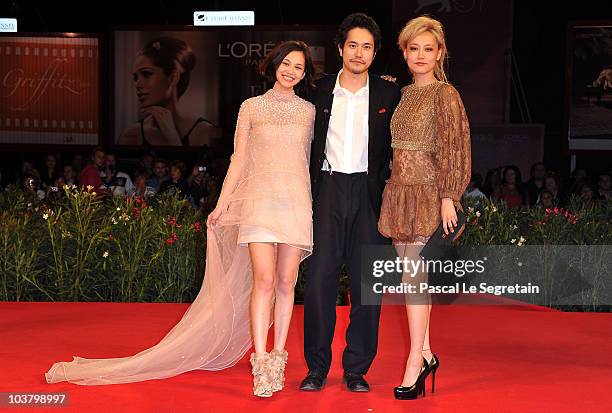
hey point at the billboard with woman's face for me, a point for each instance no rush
(183, 88)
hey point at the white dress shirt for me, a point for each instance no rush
(346, 148)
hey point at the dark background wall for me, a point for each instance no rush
(538, 42)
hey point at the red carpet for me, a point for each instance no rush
(493, 358)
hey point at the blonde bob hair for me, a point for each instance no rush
(420, 25)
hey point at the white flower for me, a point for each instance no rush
(29, 204)
(45, 216)
(65, 187)
(513, 240)
(114, 221)
(470, 209)
(514, 227)
(478, 213)
(522, 240)
(493, 208)
(93, 193)
(105, 254)
(73, 186)
(89, 187)
(118, 209)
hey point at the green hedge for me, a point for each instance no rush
(81, 247)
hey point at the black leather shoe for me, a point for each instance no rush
(355, 382)
(314, 381)
(418, 388)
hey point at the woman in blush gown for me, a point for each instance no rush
(257, 235)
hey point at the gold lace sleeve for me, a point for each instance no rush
(453, 157)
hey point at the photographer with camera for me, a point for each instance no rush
(115, 181)
(31, 183)
(140, 183)
(198, 185)
(55, 191)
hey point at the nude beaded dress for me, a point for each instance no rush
(270, 202)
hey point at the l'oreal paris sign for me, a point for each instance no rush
(224, 18)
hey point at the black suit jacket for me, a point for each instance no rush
(384, 97)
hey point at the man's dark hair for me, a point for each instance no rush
(477, 180)
(362, 21)
(180, 165)
(96, 150)
(535, 165)
(141, 172)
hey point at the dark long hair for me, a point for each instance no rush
(167, 53)
(518, 180)
(272, 61)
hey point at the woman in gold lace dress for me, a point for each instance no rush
(431, 169)
(257, 235)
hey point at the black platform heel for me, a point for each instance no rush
(412, 392)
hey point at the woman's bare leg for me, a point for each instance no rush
(418, 319)
(427, 353)
(263, 262)
(287, 265)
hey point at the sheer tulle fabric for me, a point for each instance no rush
(267, 187)
(212, 335)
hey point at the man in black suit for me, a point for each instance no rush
(349, 164)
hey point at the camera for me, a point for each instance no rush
(201, 168)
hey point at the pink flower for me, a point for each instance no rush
(172, 222)
(136, 212)
(172, 239)
(141, 201)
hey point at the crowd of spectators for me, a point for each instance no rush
(109, 176)
(543, 189)
(201, 182)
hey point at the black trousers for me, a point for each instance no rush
(343, 221)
